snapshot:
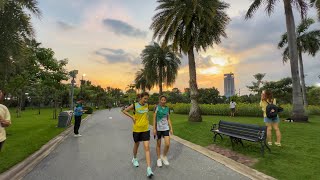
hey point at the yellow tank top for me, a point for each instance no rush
(141, 117)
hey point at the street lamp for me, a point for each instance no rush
(73, 75)
(82, 82)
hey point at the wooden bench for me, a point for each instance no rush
(238, 132)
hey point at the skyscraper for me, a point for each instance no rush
(229, 89)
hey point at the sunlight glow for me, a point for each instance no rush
(210, 71)
(219, 61)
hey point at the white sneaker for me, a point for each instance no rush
(77, 135)
(159, 163)
(165, 160)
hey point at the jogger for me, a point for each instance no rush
(141, 132)
(162, 128)
(78, 111)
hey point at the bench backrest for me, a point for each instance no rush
(247, 130)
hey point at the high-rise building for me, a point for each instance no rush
(229, 89)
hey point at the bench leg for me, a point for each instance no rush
(232, 143)
(215, 137)
(265, 143)
(262, 149)
(240, 140)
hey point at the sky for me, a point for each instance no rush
(103, 39)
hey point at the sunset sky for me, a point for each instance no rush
(104, 38)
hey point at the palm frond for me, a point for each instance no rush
(253, 8)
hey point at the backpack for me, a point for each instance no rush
(269, 108)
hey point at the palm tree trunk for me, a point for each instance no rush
(160, 80)
(195, 112)
(303, 83)
(297, 100)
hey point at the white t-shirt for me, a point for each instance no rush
(233, 105)
(4, 114)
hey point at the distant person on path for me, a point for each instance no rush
(141, 132)
(5, 120)
(162, 128)
(266, 99)
(78, 111)
(233, 108)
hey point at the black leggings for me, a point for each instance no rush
(1, 145)
(77, 123)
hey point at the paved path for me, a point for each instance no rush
(105, 152)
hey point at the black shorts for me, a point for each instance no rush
(161, 134)
(233, 110)
(141, 136)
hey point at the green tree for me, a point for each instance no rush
(314, 96)
(191, 25)
(298, 112)
(141, 81)
(307, 42)
(256, 85)
(316, 4)
(209, 95)
(161, 65)
(282, 89)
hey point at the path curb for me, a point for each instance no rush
(20, 170)
(238, 167)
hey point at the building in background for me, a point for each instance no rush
(229, 89)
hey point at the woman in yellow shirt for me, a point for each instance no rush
(141, 130)
(5, 120)
(267, 98)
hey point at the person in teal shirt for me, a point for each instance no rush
(78, 111)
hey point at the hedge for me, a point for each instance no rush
(242, 109)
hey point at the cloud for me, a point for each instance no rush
(122, 28)
(114, 56)
(64, 26)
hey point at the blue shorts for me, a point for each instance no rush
(268, 120)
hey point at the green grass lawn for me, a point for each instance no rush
(26, 135)
(298, 158)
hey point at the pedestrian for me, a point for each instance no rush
(271, 123)
(233, 108)
(141, 132)
(109, 106)
(5, 120)
(78, 111)
(162, 128)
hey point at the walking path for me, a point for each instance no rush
(104, 152)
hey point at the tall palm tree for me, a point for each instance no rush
(141, 81)
(161, 65)
(191, 25)
(316, 4)
(298, 112)
(16, 29)
(307, 42)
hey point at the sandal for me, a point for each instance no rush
(270, 143)
(277, 144)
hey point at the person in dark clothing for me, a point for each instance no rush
(78, 111)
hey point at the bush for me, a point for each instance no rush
(243, 109)
(89, 110)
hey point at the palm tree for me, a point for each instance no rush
(307, 42)
(316, 4)
(298, 109)
(191, 25)
(16, 29)
(141, 81)
(161, 65)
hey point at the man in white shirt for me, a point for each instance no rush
(5, 120)
(233, 107)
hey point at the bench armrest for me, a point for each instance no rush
(214, 127)
(262, 135)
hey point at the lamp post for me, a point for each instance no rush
(82, 82)
(73, 75)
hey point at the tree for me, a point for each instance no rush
(209, 95)
(191, 25)
(161, 65)
(16, 30)
(316, 4)
(256, 85)
(298, 112)
(314, 96)
(282, 89)
(307, 42)
(141, 81)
